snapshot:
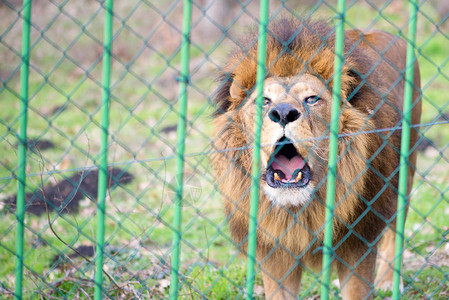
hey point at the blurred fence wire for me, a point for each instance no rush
(106, 183)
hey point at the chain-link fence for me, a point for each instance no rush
(55, 121)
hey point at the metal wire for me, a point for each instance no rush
(103, 160)
(20, 210)
(405, 148)
(182, 120)
(333, 151)
(255, 172)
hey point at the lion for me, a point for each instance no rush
(297, 98)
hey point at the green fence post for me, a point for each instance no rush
(333, 141)
(21, 176)
(405, 148)
(181, 135)
(103, 166)
(255, 172)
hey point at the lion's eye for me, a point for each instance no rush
(312, 100)
(266, 101)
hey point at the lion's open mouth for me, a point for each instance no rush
(286, 168)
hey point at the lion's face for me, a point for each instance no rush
(296, 114)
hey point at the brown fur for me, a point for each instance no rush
(290, 238)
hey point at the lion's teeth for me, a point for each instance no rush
(276, 176)
(298, 177)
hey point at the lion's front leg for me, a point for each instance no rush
(356, 275)
(281, 276)
(384, 278)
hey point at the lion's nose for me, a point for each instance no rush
(283, 114)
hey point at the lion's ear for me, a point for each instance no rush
(221, 98)
(235, 91)
(351, 83)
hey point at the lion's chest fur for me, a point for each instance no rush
(294, 231)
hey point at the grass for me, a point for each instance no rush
(64, 109)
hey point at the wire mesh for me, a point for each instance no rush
(64, 149)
